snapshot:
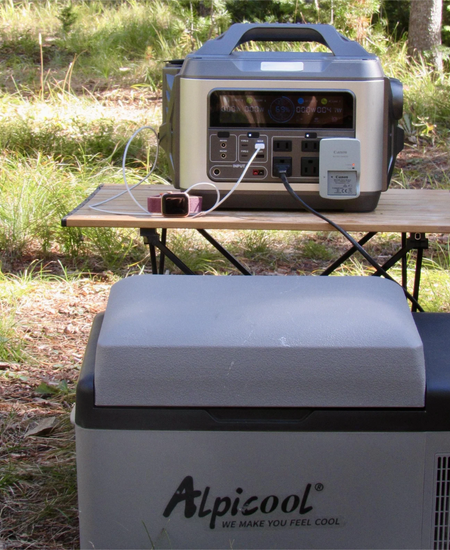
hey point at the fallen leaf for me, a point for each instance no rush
(44, 427)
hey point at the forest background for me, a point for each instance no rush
(76, 80)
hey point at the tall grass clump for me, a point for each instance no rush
(24, 16)
(38, 193)
(426, 93)
(34, 193)
(11, 343)
(55, 151)
(134, 39)
(11, 346)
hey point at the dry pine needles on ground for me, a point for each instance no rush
(37, 450)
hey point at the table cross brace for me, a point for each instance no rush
(152, 238)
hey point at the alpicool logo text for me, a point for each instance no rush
(194, 501)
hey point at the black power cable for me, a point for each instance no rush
(367, 256)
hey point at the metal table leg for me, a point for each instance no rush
(224, 252)
(404, 264)
(347, 255)
(415, 241)
(151, 237)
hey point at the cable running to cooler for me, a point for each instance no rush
(355, 243)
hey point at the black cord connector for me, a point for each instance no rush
(380, 270)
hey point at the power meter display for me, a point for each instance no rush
(269, 109)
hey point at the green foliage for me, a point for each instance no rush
(316, 250)
(67, 16)
(80, 138)
(127, 41)
(19, 46)
(135, 38)
(29, 192)
(196, 253)
(116, 247)
(396, 16)
(11, 346)
(11, 343)
(262, 10)
(70, 129)
(353, 17)
(255, 244)
(46, 389)
(426, 105)
(446, 23)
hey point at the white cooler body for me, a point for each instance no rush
(173, 466)
(302, 490)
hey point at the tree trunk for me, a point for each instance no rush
(424, 33)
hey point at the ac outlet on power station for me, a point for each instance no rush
(311, 146)
(309, 167)
(282, 164)
(282, 145)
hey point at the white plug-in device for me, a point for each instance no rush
(339, 168)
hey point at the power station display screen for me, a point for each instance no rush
(275, 109)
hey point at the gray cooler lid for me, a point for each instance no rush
(206, 341)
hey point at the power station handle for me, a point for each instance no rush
(241, 33)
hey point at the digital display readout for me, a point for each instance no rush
(276, 109)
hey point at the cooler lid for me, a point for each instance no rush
(217, 341)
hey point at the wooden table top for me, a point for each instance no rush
(399, 210)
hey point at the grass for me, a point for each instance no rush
(37, 468)
(73, 128)
(38, 490)
(55, 153)
(426, 110)
(126, 41)
(10, 344)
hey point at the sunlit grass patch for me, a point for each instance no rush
(11, 344)
(196, 253)
(125, 41)
(434, 295)
(435, 288)
(35, 193)
(117, 248)
(72, 128)
(37, 487)
(15, 290)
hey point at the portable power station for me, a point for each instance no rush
(328, 120)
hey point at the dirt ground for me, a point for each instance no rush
(37, 460)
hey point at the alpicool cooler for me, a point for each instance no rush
(264, 412)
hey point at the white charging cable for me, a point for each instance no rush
(258, 147)
(144, 212)
(128, 189)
